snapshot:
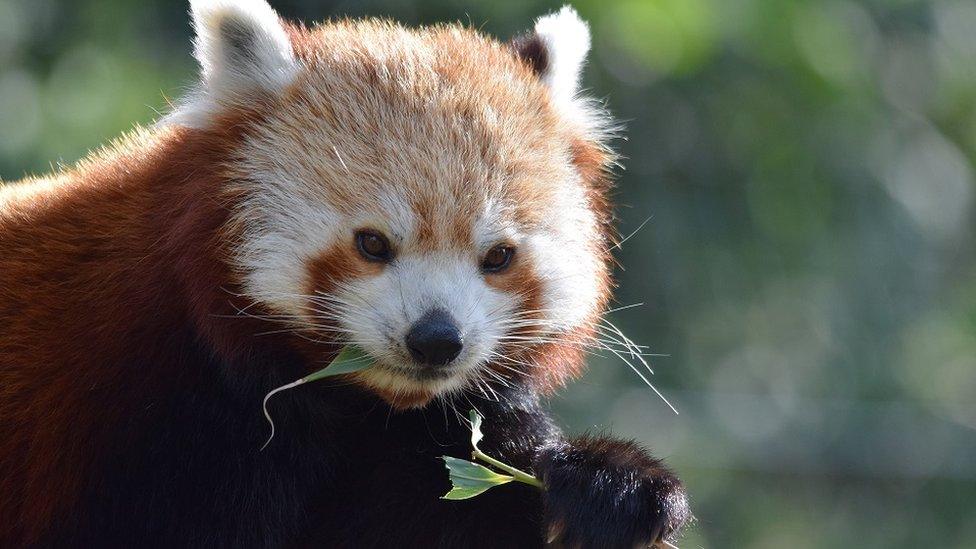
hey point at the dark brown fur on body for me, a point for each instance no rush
(133, 361)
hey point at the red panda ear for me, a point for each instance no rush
(242, 46)
(241, 43)
(556, 50)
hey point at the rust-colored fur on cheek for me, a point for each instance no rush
(554, 362)
(339, 264)
(564, 359)
(593, 161)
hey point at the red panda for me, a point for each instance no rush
(433, 196)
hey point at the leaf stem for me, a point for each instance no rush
(264, 406)
(519, 475)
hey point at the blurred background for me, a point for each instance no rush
(806, 173)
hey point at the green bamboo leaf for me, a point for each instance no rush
(470, 479)
(350, 359)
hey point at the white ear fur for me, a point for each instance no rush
(241, 44)
(242, 47)
(566, 38)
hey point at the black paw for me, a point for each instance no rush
(609, 493)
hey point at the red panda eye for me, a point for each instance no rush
(373, 246)
(497, 259)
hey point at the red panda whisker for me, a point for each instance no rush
(509, 362)
(634, 352)
(619, 354)
(299, 332)
(619, 244)
(295, 323)
(622, 308)
(480, 389)
(514, 362)
(647, 381)
(588, 346)
(483, 386)
(496, 376)
(586, 351)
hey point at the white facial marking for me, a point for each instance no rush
(409, 288)
(565, 258)
(284, 230)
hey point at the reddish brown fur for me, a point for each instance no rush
(125, 248)
(340, 263)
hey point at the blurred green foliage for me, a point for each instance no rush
(808, 267)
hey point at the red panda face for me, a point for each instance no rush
(426, 195)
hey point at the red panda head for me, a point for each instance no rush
(433, 196)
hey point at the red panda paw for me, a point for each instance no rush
(610, 493)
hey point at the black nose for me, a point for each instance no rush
(434, 340)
